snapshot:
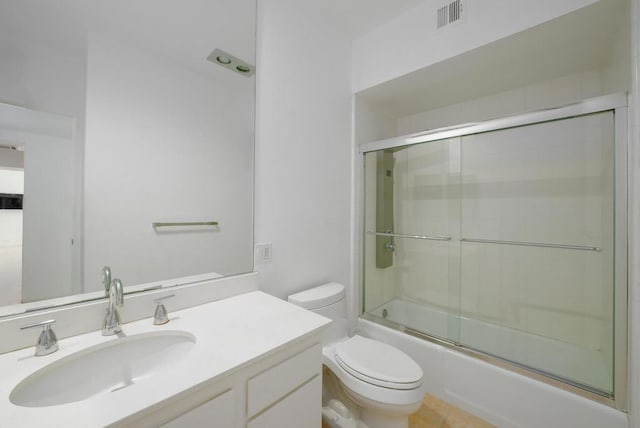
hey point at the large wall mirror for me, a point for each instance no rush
(125, 141)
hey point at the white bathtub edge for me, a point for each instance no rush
(499, 396)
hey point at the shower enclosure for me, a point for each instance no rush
(507, 239)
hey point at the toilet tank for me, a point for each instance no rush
(327, 300)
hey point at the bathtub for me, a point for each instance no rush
(502, 397)
(566, 361)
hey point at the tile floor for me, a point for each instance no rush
(436, 413)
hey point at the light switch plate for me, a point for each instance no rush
(263, 253)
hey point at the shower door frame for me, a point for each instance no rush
(617, 103)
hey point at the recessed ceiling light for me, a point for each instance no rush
(230, 62)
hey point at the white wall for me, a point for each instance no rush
(411, 41)
(303, 148)
(558, 91)
(48, 206)
(11, 181)
(41, 78)
(46, 79)
(164, 144)
(611, 76)
(13, 159)
(49, 165)
(370, 124)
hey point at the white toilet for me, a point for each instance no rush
(384, 382)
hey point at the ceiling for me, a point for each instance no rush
(357, 17)
(184, 30)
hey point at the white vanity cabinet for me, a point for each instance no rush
(256, 362)
(218, 412)
(301, 408)
(280, 390)
(289, 393)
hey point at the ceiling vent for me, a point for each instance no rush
(450, 13)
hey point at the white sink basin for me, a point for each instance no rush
(103, 368)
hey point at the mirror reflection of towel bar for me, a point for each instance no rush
(401, 235)
(186, 223)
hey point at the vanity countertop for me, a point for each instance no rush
(230, 334)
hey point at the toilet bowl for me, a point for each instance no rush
(384, 382)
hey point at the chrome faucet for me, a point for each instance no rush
(47, 341)
(111, 324)
(160, 316)
(106, 279)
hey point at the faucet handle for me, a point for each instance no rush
(160, 316)
(47, 341)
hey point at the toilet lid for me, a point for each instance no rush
(378, 363)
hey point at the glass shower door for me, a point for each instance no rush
(537, 236)
(411, 245)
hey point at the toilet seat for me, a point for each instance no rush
(378, 363)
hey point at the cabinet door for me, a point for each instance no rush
(217, 412)
(275, 383)
(301, 408)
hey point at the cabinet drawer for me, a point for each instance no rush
(303, 408)
(271, 385)
(217, 412)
